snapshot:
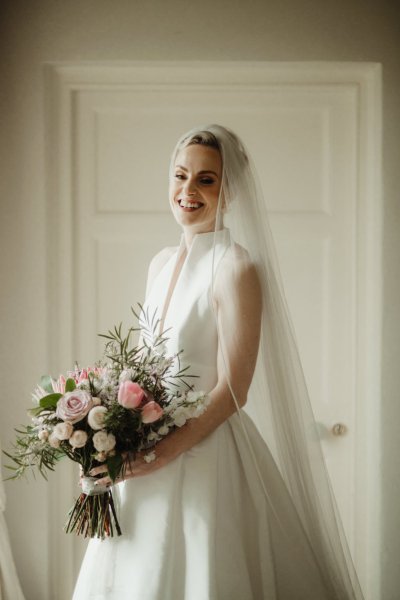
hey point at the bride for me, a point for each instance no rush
(229, 509)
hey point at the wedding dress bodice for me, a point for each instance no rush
(190, 322)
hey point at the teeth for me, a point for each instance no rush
(189, 204)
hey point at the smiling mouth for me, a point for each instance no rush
(189, 205)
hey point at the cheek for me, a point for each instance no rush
(171, 192)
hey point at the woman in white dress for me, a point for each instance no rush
(217, 516)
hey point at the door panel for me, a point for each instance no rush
(303, 127)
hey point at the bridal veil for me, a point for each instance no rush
(278, 400)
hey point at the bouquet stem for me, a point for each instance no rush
(93, 516)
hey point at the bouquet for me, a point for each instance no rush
(106, 414)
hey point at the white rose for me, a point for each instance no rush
(96, 417)
(78, 439)
(54, 441)
(103, 441)
(63, 431)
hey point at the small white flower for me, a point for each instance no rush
(153, 436)
(195, 396)
(96, 401)
(179, 416)
(150, 457)
(63, 431)
(103, 441)
(84, 385)
(164, 429)
(96, 417)
(78, 439)
(127, 375)
(100, 456)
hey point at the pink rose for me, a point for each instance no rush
(151, 412)
(74, 406)
(130, 394)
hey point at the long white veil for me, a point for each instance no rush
(278, 400)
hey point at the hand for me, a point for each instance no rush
(132, 468)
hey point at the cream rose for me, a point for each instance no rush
(54, 441)
(63, 431)
(78, 439)
(103, 441)
(96, 417)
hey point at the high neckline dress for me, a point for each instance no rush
(201, 528)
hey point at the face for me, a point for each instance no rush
(194, 187)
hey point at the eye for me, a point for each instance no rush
(179, 176)
(207, 180)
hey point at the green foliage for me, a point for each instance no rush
(70, 385)
(50, 401)
(114, 466)
(31, 453)
(46, 383)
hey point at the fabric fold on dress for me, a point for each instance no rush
(200, 528)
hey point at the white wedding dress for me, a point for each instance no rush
(201, 527)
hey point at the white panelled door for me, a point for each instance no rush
(303, 126)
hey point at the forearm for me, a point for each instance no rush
(220, 408)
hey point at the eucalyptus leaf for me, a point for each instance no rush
(46, 383)
(50, 401)
(35, 411)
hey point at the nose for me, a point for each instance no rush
(189, 187)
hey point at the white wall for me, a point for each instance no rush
(52, 30)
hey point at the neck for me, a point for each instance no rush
(190, 233)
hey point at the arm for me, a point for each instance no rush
(237, 350)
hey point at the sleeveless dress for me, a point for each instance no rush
(200, 528)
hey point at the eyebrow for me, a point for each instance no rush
(200, 172)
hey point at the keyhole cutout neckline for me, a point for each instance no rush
(182, 256)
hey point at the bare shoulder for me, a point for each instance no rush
(236, 273)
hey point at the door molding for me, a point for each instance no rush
(62, 83)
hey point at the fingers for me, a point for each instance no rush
(98, 470)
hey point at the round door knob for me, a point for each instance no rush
(339, 429)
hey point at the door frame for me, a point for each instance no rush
(62, 82)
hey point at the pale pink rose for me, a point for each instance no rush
(78, 439)
(96, 417)
(151, 412)
(103, 441)
(74, 406)
(63, 430)
(130, 394)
